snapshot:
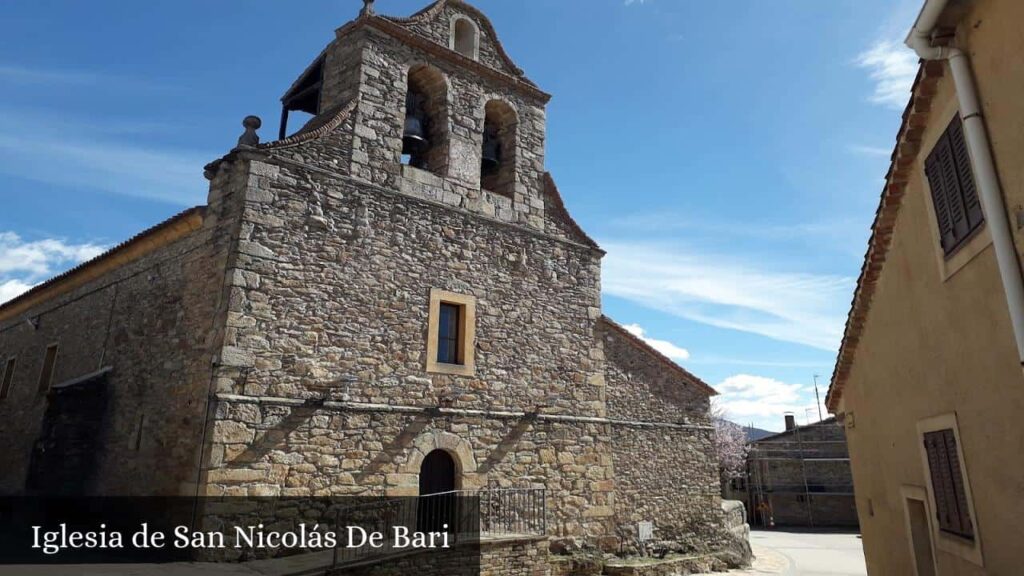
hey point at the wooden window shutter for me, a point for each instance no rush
(951, 507)
(943, 510)
(954, 194)
(940, 197)
(965, 174)
(959, 490)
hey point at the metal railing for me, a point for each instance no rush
(513, 511)
(452, 518)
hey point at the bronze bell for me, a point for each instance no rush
(490, 155)
(414, 138)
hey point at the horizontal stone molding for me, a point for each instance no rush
(497, 414)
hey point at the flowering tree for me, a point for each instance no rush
(730, 444)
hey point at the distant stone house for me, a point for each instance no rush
(799, 477)
(392, 299)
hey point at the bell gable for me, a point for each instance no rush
(463, 29)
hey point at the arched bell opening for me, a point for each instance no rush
(465, 37)
(498, 150)
(425, 130)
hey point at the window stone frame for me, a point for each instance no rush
(969, 550)
(467, 333)
(979, 240)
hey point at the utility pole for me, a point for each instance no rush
(817, 399)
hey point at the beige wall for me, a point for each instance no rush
(938, 338)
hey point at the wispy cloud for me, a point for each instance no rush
(107, 157)
(724, 360)
(874, 151)
(762, 401)
(673, 222)
(25, 263)
(25, 75)
(632, 2)
(720, 291)
(892, 66)
(664, 346)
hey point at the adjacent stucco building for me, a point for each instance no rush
(929, 382)
(396, 286)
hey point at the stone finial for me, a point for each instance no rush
(367, 8)
(250, 137)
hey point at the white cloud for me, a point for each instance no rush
(631, 2)
(763, 402)
(664, 346)
(893, 67)
(12, 288)
(792, 307)
(38, 258)
(24, 264)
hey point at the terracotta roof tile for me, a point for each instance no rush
(908, 144)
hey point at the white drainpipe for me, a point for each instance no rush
(989, 192)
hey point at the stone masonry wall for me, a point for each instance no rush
(438, 29)
(819, 510)
(646, 388)
(669, 477)
(271, 448)
(155, 322)
(525, 557)
(379, 121)
(664, 474)
(351, 300)
(341, 311)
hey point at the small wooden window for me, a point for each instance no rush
(954, 195)
(951, 506)
(46, 374)
(8, 378)
(450, 333)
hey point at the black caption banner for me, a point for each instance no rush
(344, 533)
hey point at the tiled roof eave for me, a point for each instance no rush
(170, 230)
(908, 144)
(668, 362)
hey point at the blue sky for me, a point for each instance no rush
(728, 155)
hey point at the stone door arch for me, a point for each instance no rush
(407, 481)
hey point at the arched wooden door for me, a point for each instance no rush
(438, 503)
(437, 473)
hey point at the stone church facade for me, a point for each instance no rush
(339, 311)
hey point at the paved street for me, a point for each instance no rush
(802, 553)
